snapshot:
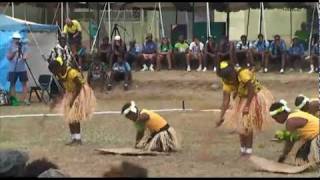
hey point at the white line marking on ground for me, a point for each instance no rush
(102, 112)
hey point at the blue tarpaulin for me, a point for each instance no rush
(8, 26)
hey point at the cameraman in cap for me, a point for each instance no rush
(17, 57)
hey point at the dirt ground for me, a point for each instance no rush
(206, 151)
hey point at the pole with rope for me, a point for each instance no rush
(95, 38)
(311, 29)
(153, 17)
(56, 12)
(248, 22)
(161, 20)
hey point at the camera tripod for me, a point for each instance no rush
(116, 31)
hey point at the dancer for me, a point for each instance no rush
(248, 111)
(305, 125)
(78, 101)
(153, 131)
(305, 104)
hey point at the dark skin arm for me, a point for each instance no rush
(224, 107)
(292, 125)
(142, 118)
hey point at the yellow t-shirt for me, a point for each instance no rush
(74, 28)
(155, 122)
(68, 78)
(311, 129)
(244, 75)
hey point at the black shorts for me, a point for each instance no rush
(13, 77)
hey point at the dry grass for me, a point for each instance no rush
(206, 151)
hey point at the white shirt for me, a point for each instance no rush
(241, 46)
(196, 48)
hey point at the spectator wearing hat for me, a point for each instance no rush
(195, 53)
(17, 56)
(260, 50)
(210, 53)
(12, 163)
(278, 50)
(119, 48)
(149, 53)
(165, 51)
(243, 51)
(295, 54)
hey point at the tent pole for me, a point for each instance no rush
(176, 15)
(97, 34)
(12, 9)
(109, 21)
(248, 21)
(161, 21)
(264, 22)
(61, 15)
(290, 23)
(261, 19)
(192, 20)
(67, 9)
(90, 38)
(208, 21)
(228, 24)
(311, 30)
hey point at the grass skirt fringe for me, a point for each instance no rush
(83, 107)
(258, 117)
(164, 141)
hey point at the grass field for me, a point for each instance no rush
(206, 151)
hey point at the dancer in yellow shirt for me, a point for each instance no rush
(153, 131)
(247, 111)
(78, 102)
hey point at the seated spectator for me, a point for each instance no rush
(243, 48)
(105, 50)
(181, 48)
(277, 51)
(97, 72)
(196, 53)
(226, 49)
(120, 71)
(315, 60)
(296, 53)
(165, 51)
(149, 53)
(119, 48)
(133, 53)
(303, 35)
(260, 50)
(210, 52)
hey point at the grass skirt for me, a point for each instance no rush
(258, 117)
(164, 141)
(305, 151)
(83, 107)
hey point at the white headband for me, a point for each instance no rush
(131, 108)
(304, 102)
(282, 108)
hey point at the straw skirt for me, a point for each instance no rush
(83, 107)
(258, 117)
(163, 141)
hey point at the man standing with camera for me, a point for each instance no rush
(17, 57)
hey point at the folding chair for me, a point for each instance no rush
(45, 81)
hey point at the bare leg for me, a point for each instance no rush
(188, 59)
(159, 57)
(25, 90)
(283, 61)
(169, 61)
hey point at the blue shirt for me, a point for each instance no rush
(296, 49)
(261, 46)
(277, 50)
(149, 47)
(121, 67)
(17, 64)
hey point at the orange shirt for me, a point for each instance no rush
(155, 122)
